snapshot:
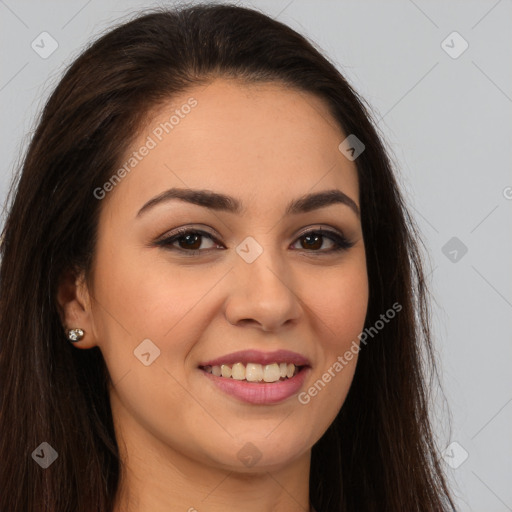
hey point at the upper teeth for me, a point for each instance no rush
(254, 372)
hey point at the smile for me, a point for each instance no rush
(254, 372)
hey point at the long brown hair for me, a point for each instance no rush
(379, 453)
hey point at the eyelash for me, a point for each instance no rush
(341, 243)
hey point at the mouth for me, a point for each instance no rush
(255, 372)
(258, 378)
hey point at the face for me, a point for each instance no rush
(272, 284)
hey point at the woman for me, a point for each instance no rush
(282, 366)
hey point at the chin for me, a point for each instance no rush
(254, 454)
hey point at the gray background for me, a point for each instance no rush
(448, 123)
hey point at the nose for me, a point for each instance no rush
(263, 294)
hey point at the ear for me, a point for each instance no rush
(74, 304)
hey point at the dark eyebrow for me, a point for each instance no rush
(222, 202)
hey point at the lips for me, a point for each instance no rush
(277, 388)
(256, 356)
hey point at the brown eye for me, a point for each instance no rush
(191, 241)
(187, 240)
(313, 241)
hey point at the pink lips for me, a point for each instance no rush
(258, 357)
(260, 393)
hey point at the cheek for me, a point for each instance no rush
(341, 303)
(150, 297)
(345, 312)
(340, 310)
(139, 300)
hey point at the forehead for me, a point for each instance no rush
(263, 143)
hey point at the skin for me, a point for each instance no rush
(178, 434)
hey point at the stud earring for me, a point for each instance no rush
(75, 335)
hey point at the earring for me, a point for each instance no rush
(75, 335)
